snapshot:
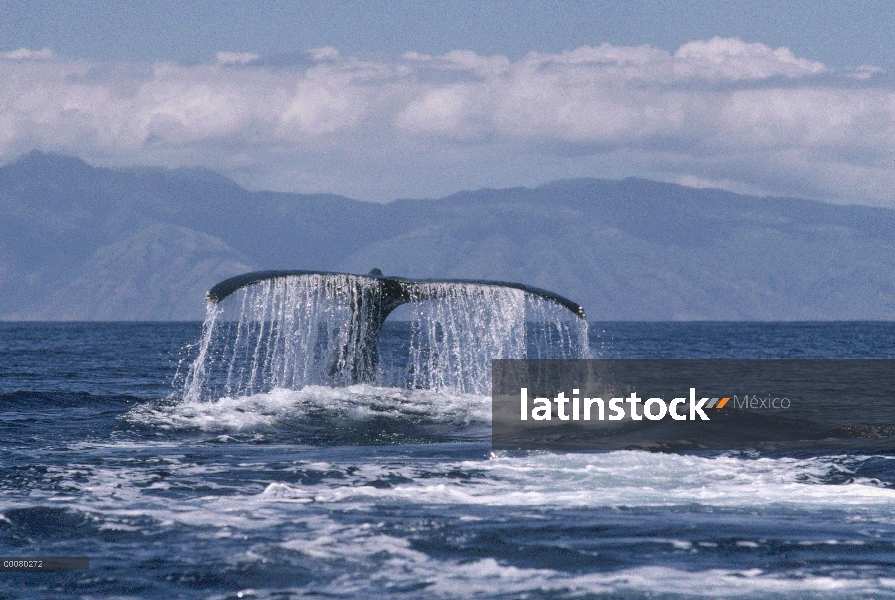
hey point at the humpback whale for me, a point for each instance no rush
(357, 359)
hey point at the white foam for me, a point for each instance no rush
(352, 479)
(379, 561)
(609, 479)
(369, 556)
(488, 577)
(354, 403)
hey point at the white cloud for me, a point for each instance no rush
(26, 54)
(239, 58)
(326, 53)
(734, 59)
(718, 110)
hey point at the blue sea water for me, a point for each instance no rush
(363, 491)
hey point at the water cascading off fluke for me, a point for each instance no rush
(301, 327)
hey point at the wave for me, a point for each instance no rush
(622, 478)
(457, 521)
(316, 414)
(31, 399)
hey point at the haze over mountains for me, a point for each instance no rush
(85, 243)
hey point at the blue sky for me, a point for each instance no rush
(410, 99)
(839, 34)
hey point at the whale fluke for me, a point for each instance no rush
(401, 289)
(388, 294)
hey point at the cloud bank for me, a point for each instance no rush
(717, 112)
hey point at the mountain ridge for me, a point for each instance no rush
(94, 243)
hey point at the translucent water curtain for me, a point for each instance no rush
(294, 331)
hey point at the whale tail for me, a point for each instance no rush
(374, 298)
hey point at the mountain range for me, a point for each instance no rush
(79, 242)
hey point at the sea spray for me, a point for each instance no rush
(455, 336)
(197, 374)
(317, 329)
(551, 332)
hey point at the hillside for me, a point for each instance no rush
(84, 243)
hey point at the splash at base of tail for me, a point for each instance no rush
(374, 299)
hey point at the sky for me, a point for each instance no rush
(384, 100)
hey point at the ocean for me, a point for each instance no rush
(393, 491)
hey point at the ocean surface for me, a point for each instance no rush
(360, 491)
